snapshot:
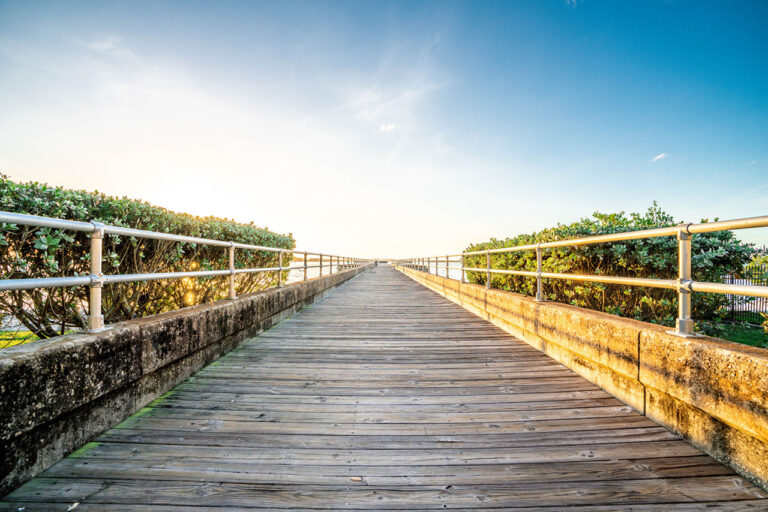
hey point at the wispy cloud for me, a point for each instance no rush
(752, 162)
(660, 156)
(393, 96)
(380, 102)
(109, 44)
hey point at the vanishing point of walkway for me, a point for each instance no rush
(383, 395)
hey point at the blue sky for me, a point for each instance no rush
(393, 128)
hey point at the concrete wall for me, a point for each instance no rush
(57, 394)
(712, 392)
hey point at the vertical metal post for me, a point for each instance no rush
(305, 266)
(95, 318)
(280, 269)
(539, 288)
(684, 323)
(232, 294)
(463, 276)
(446, 268)
(321, 264)
(487, 270)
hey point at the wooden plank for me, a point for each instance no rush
(424, 497)
(391, 442)
(387, 475)
(385, 396)
(729, 506)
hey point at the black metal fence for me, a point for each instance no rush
(748, 309)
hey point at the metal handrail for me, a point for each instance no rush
(97, 279)
(684, 284)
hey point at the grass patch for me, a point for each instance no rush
(11, 338)
(746, 334)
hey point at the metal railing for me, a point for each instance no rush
(684, 285)
(748, 309)
(96, 279)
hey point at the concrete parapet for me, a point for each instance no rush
(712, 392)
(57, 394)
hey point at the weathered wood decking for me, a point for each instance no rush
(384, 395)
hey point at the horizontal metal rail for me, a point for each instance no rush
(684, 284)
(96, 279)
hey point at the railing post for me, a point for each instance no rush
(539, 288)
(463, 276)
(305, 266)
(446, 268)
(487, 270)
(684, 323)
(232, 294)
(321, 264)
(95, 318)
(280, 269)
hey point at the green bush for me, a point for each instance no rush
(713, 256)
(31, 252)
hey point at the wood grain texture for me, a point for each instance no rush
(385, 396)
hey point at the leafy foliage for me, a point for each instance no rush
(713, 256)
(31, 252)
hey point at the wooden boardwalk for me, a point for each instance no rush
(385, 396)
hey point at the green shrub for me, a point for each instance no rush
(31, 252)
(713, 256)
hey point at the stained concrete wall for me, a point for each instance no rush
(56, 395)
(712, 392)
